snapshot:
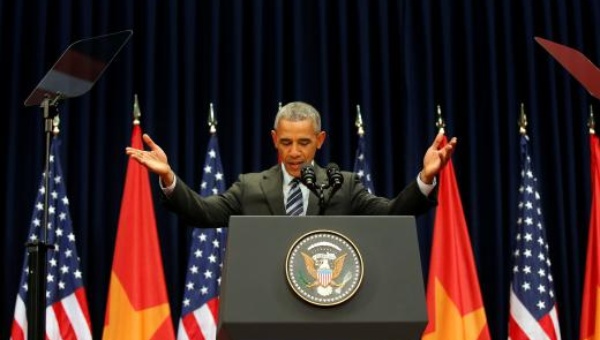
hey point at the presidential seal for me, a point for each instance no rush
(324, 268)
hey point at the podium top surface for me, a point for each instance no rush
(78, 68)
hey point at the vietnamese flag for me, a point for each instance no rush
(590, 305)
(454, 305)
(138, 305)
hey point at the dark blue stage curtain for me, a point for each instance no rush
(398, 59)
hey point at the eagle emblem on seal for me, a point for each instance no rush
(324, 267)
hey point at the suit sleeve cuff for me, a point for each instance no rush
(168, 190)
(425, 188)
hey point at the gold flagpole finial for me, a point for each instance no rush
(359, 122)
(439, 122)
(55, 124)
(137, 113)
(212, 120)
(591, 122)
(523, 121)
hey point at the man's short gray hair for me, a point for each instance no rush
(297, 111)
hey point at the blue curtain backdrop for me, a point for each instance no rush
(397, 59)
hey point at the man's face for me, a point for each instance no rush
(296, 143)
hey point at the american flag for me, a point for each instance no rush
(199, 315)
(533, 313)
(67, 315)
(361, 165)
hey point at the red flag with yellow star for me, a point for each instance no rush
(454, 305)
(138, 305)
(590, 306)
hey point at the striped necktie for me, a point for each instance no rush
(294, 205)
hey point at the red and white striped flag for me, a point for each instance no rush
(199, 315)
(533, 312)
(67, 315)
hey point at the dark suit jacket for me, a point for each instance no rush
(262, 194)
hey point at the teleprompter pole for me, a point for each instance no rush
(38, 249)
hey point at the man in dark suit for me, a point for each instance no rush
(297, 136)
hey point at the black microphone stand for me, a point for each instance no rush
(38, 249)
(309, 179)
(320, 193)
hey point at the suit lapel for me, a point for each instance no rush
(272, 187)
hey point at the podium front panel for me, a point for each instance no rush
(256, 301)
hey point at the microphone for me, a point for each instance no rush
(308, 177)
(335, 177)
